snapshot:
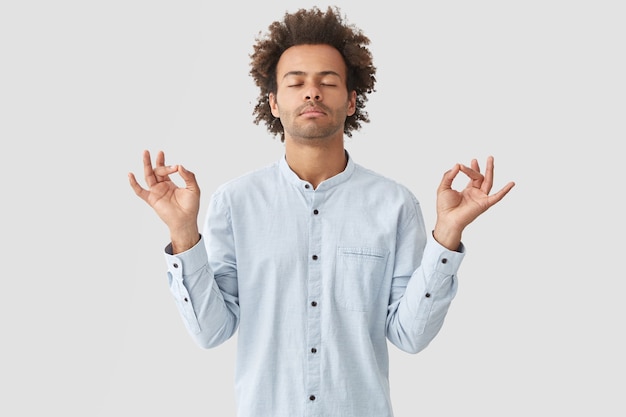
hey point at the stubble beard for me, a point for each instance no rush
(314, 129)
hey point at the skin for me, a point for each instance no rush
(312, 102)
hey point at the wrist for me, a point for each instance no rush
(184, 239)
(450, 238)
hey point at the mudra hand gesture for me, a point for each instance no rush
(457, 209)
(178, 207)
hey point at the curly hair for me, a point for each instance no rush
(312, 27)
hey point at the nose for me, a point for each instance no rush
(313, 93)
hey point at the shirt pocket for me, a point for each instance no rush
(359, 275)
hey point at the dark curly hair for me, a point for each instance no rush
(312, 27)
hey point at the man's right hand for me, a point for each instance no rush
(178, 207)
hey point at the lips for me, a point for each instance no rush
(312, 109)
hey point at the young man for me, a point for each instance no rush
(315, 260)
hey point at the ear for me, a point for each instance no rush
(351, 103)
(273, 105)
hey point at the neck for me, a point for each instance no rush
(316, 162)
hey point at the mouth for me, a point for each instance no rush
(312, 111)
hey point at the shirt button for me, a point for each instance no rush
(307, 186)
(312, 397)
(444, 260)
(175, 265)
(316, 211)
(427, 295)
(313, 350)
(314, 303)
(314, 257)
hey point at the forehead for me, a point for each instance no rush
(310, 59)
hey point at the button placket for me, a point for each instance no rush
(314, 313)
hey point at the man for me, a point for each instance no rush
(314, 260)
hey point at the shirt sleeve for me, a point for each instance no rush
(208, 302)
(420, 300)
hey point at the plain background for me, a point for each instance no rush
(88, 325)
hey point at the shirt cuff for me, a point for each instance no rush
(441, 259)
(189, 261)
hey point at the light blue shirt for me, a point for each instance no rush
(315, 281)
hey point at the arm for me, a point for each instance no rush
(207, 301)
(420, 300)
(208, 304)
(420, 296)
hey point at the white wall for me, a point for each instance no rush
(89, 327)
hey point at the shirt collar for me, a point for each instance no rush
(340, 178)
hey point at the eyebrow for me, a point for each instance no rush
(300, 73)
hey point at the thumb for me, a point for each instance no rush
(448, 178)
(190, 179)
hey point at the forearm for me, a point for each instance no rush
(210, 313)
(420, 303)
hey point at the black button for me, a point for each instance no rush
(427, 295)
(186, 300)
(307, 186)
(314, 303)
(314, 257)
(312, 398)
(175, 265)
(444, 260)
(316, 211)
(313, 350)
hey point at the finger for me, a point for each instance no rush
(494, 198)
(138, 189)
(162, 172)
(148, 172)
(160, 159)
(160, 162)
(448, 178)
(488, 182)
(474, 176)
(475, 182)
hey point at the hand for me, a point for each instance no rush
(457, 209)
(177, 207)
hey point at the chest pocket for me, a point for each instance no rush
(359, 275)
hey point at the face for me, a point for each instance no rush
(312, 100)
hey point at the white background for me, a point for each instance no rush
(88, 324)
